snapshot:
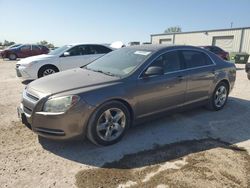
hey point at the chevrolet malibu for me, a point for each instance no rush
(103, 99)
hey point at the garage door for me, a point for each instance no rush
(224, 42)
(166, 41)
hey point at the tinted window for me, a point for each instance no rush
(79, 50)
(169, 61)
(35, 47)
(195, 59)
(102, 49)
(25, 47)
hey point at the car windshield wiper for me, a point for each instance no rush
(103, 72)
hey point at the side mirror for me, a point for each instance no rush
(65, 54)
(153, 71)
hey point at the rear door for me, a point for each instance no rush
(167, 91)
(25, 51)
(201, 72)
(36, 50)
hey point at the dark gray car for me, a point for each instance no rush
(107, 96)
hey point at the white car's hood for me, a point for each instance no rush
(36, 58)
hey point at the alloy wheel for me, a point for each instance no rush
(48, 72)
(220, 96)
(111, 124)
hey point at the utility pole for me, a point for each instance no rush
(232, 24)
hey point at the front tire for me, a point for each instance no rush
(47, 70)
(12, 57)
(219, 98)
(108, 123)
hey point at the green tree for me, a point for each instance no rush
(175, 29)
(47, 44)
(8, 43)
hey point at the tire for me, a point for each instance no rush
(219, 98)
(47, 70)
(104, 132)
(248, 75)
(12, 57)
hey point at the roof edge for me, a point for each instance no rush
(211, 30)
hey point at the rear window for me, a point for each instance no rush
(195, 59)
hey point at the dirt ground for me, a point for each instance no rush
(198, 148)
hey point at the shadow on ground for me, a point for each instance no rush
(229, 126)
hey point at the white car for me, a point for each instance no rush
(60, 59)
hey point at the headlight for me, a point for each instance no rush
(60, 104)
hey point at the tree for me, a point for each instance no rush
(175, 29)
(8, 43)
(47, 44)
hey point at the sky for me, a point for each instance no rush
(104, 21)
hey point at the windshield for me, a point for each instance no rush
(14, 46)
(119, 62)
(60, 50)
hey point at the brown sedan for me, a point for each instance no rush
(104, 98)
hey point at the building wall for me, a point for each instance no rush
(246, 41)
(206, 38)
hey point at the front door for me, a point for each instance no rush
(163, 92)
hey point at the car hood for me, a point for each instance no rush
(69, 80)
(36, 58)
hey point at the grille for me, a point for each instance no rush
(32, 96)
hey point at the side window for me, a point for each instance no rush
(195, 59)
(77, 50)
(25, 47)
(102, 49)
(169, 61)
(35, 47)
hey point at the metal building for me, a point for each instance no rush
(231, 40)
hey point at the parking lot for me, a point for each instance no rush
(198, 148)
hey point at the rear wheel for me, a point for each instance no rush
(47, 70)
(12, 57)
(108, 124)
(219, 97)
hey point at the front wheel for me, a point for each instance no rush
(108, 123)
(47, 70)
(219, 98)
(12, 57)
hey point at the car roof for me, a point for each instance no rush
(157, 47)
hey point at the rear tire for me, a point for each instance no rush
(108, 123)
(47, 70)
(219, 97)
(12, 57)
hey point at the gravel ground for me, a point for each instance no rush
(198, 148)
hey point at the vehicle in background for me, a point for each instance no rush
(247, 68)
(9, 47)
(133, 43)
(63, 58)
(23, 51)
(104, 98)
(218, 51)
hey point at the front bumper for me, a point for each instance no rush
(24, 73)
(60, 126)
